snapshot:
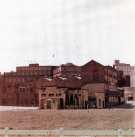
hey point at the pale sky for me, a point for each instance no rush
(53, 32)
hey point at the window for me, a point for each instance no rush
(43, 95)
(95, 76)
(59, 94)
(51, 95)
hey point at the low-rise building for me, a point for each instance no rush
(61, 93)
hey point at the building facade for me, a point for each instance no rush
(61, 94)
(128, 71)
(18, 88)
(128, 80)
(94, 87)
(68, 86)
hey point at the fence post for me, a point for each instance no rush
(60, 131)
(6, 132)
(120, 133)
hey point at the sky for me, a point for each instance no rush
(54, 32)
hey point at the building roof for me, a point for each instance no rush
(92, 62)
(61, 82)
(111, 68)
(69, 65)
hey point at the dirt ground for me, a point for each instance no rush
(54, 119)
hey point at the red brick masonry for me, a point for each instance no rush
(65, 86)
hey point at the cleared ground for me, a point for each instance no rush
(32, 118)
(13, 108)
(43, 119)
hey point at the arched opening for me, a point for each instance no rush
(130, 98)
(92, 102)
(49, 104)
(61, 103)
(67, 99)
(99, 102)
(71, 99)
(76, 100)
(119, 100)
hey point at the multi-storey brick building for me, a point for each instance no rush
(103, 79)
(35, 70)
(97, 83)
(95, 72)
(65, 86)
(18, 88)
(128, 72)
(126, 78)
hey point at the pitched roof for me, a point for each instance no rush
(92, 62)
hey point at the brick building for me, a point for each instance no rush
(126, 78)
(103, 81)
(67, 70)
(60, 93)
(35, 71)
(128, 72)
(97, 86)
(95, 72)
(18, 88)
(67, 86)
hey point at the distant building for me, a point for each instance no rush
(35, 70)
(67, 70)
(128, 72)
(129, 93)
(126, 78)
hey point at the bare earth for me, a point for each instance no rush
(50, 119)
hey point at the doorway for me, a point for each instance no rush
(49, 104)
(61, 103)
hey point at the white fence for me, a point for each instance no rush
(68, 132)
